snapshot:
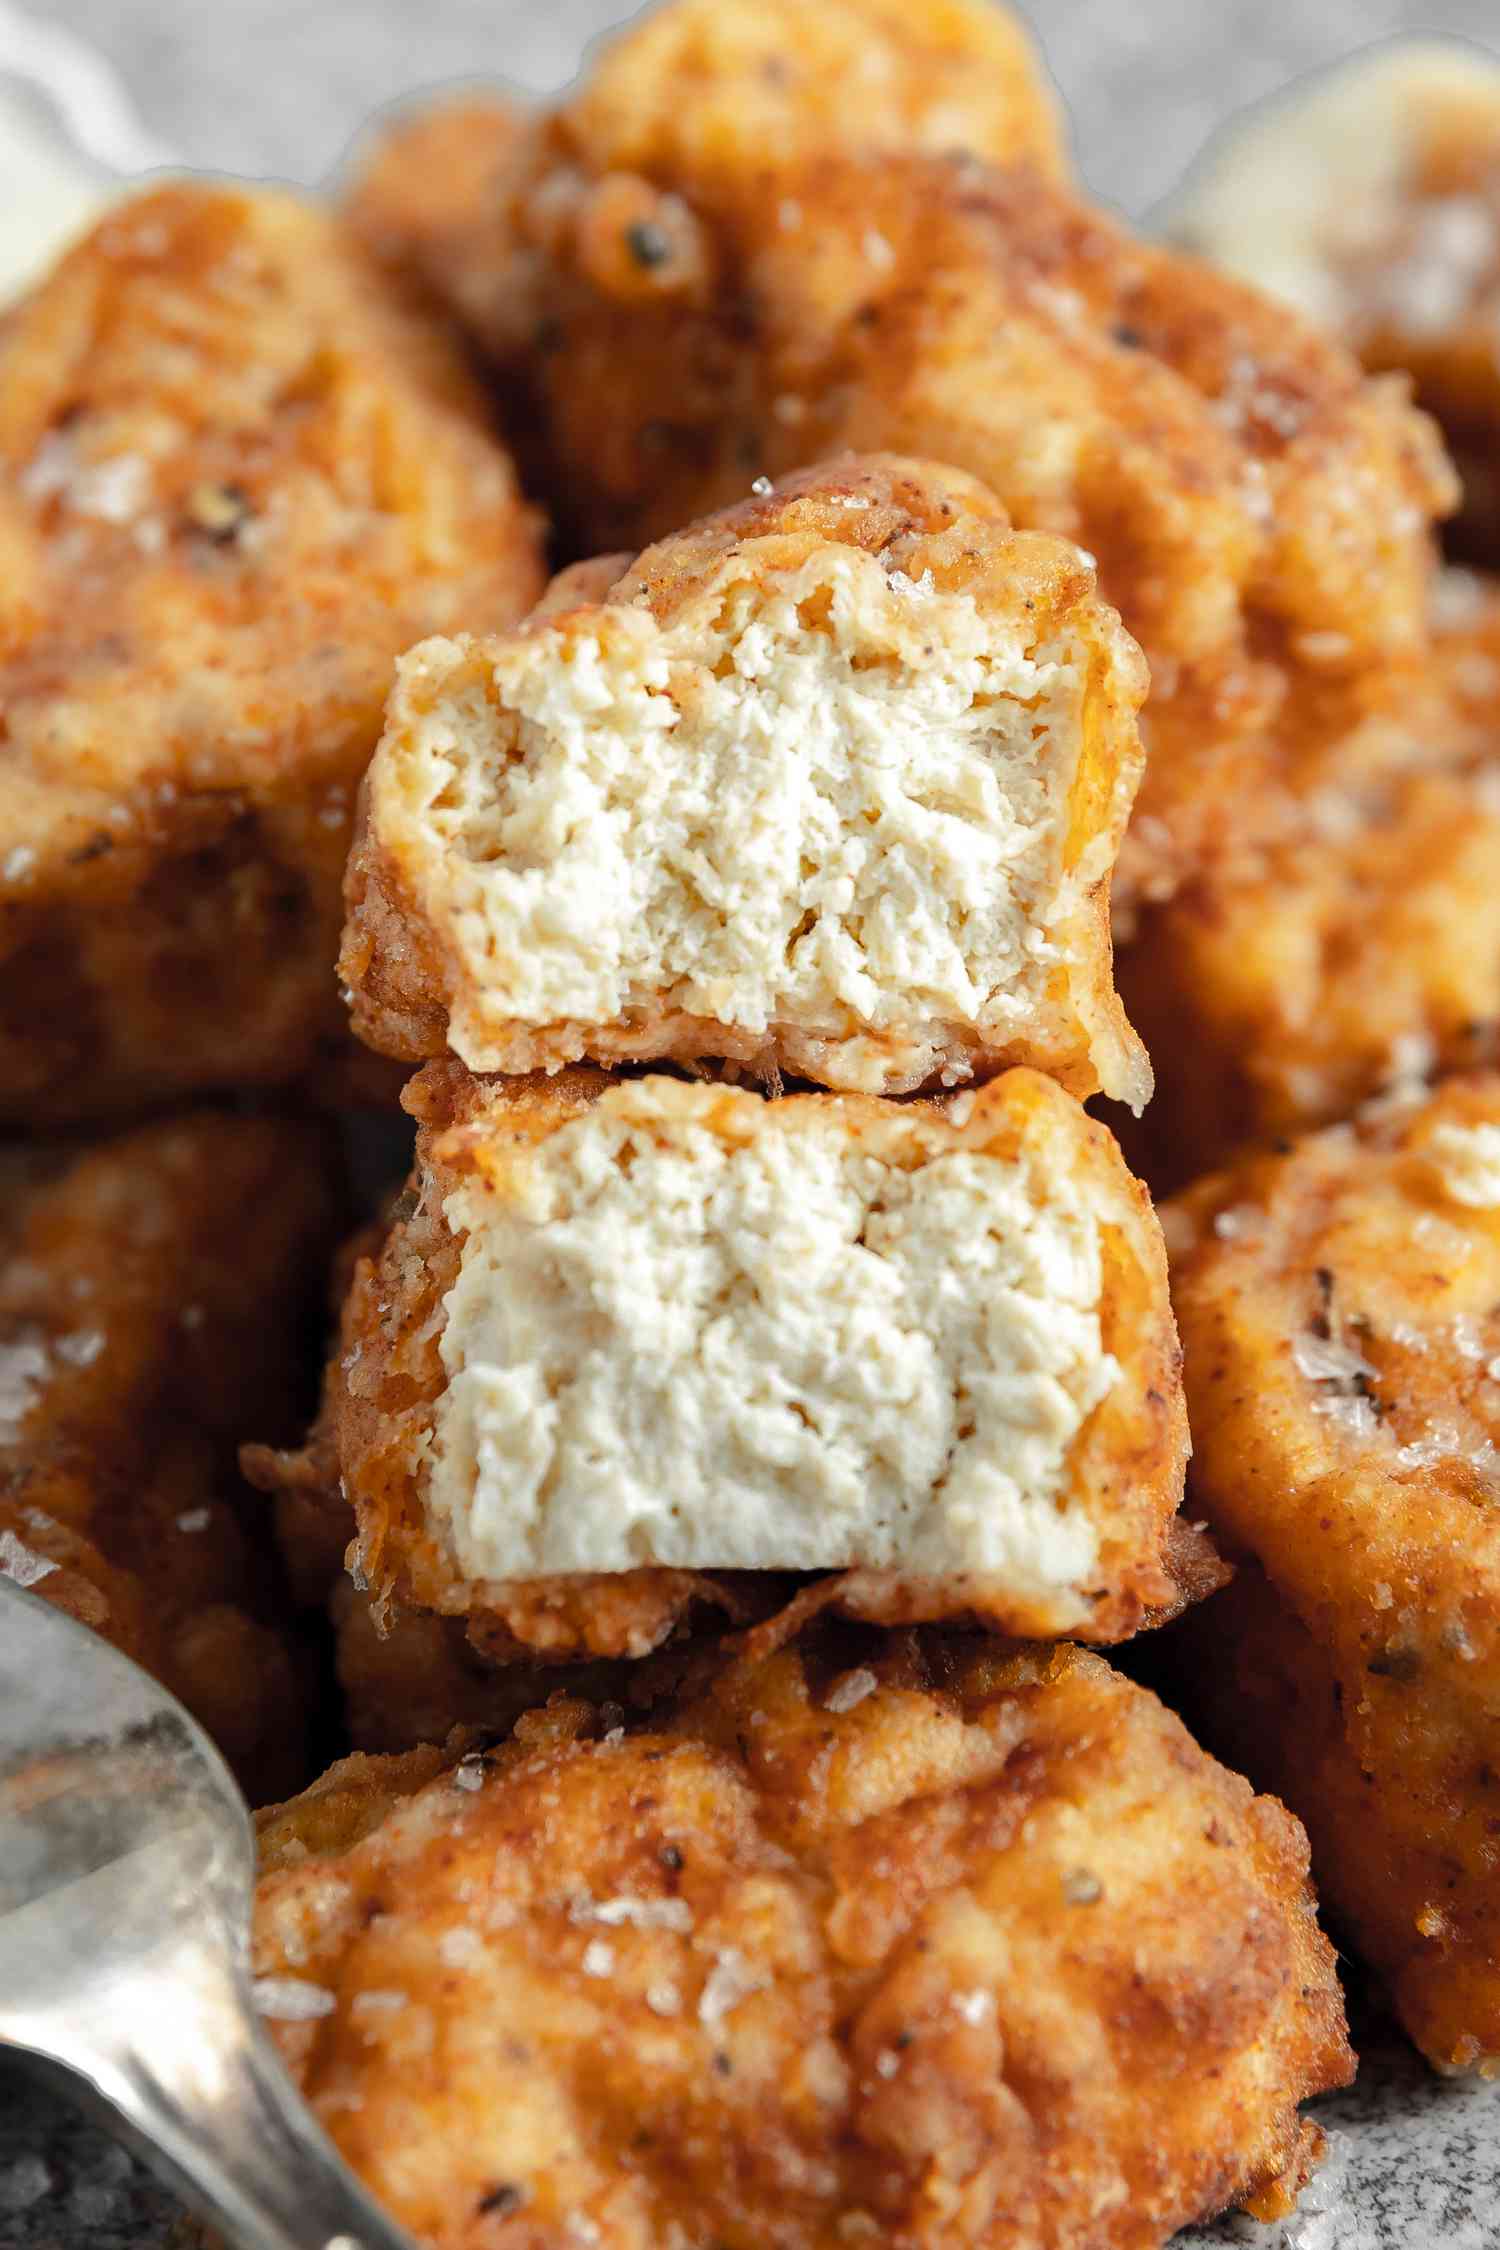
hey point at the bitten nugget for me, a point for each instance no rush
(1340, 931)
(686, 310)
(1370, 198)
(830, 784)
(923, 1944)
(238, 475)
(154, 1293)
(1339, 1318)
(633, 1335)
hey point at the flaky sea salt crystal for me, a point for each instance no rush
(24, 1367)
(290, 2000)
(729, 1981)
(82, 1348)
(850, 1690)
(1355, 1415)
(20, 1565)
(1323, 1359)
(639, 1913)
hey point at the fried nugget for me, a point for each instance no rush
(240, 475)
(153, 1300)
(685, 317)
(632, 1337)
(1340, 929)
(721, 88)
(830, 784)
(408, 1677)
(1370, 198)
(918, 1943)
(1339, 1317)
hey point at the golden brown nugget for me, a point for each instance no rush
(831, 784)
(154, 1291)
(721, 87)
(632, 1337)
(1370, 198)
(1339, 1317)
(238, 475)
(919, 1942)
(680, 322)
(1340, 932)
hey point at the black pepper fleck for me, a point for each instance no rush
(502, 2200)
(647, 243)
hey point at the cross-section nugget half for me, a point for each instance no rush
(1340, 1312)
(634, 1333)
(917, 1944)
(238, 475)
(831, 784)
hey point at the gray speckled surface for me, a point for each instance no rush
(281, 87)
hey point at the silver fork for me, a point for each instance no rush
(126, 1871)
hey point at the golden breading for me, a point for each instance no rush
(915, 1942)
(1341, 930)
(831, 784)
(720, 87)
(1339, 1318)
(716, 89)
(153, 1308)
(1370, 198)
(238, 475)
(426, 195)
(634, 1339)
(408, 1677)
(681, 318)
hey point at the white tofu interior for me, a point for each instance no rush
(834, 798)
(787, 1350)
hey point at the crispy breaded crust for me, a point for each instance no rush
(407, 955)
(719, 86)
(926, 1942)
(409, 1677)
(1231, 470)
(241, 473)
(1124, 1470)
(1340, 931)
(687, 319)
(1338, 1311)
(153, 1301)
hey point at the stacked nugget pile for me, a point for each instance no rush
(768, 1373)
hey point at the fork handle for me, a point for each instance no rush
(195, 2086)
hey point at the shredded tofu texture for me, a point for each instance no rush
(786, 1350)
(819, 798)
